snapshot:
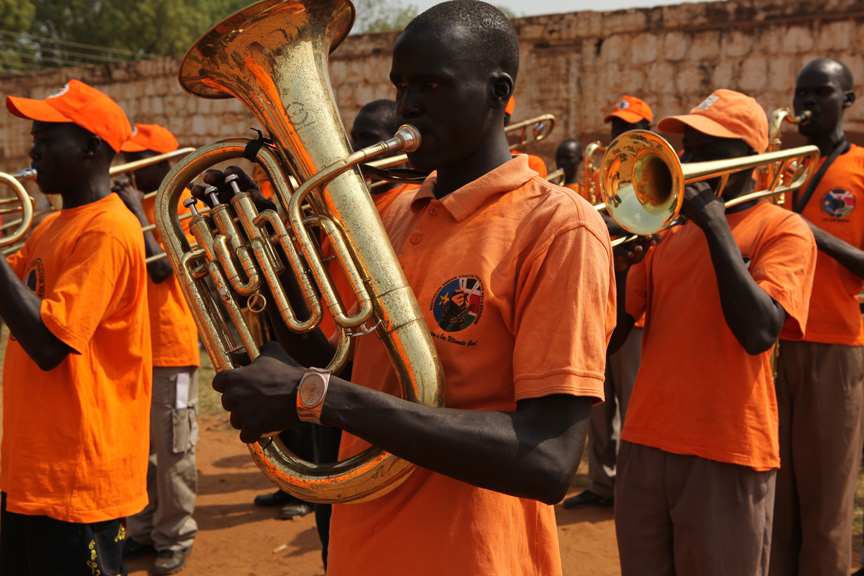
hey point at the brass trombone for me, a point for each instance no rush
(766, 173)
(642, 179)
(13, 242)
(592, 168)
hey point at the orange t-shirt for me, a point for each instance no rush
(698, 391)
(536, 306)
(834, 314)
(173, 333)
(76, 438)
(579, 189)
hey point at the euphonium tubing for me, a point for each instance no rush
(272, 56)
(642, 180)
(25, 202)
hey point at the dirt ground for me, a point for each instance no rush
(238, 538)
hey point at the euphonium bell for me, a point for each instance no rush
(273, 57)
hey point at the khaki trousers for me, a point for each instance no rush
(172, 480)
(691, 516)
(607, 418)
(820, 393)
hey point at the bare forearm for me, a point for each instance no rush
(507, 451)
(624, 323)
(754, 318)
(847, 255)
(20, 309)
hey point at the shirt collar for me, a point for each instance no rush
(466, 200)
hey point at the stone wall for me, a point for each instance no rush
(573, 65)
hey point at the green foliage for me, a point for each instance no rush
(143, 26)
(382, 15)
(15, 15)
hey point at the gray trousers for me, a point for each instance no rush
(172, 479)
(604, 425)
(820, 394)
(689, 516)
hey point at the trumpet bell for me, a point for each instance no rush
(640, 185)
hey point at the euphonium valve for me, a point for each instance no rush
(273, 57)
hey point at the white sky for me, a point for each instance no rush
(535, 7)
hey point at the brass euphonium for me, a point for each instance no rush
(272, 56)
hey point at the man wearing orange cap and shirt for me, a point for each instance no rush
(699, 455)
(534, 162)
(166, 524)
(622, 366)
(76, 379)
(820, 381)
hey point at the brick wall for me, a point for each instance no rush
(573, 65)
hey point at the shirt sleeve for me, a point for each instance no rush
(19, 260)
(564, 316)
(784, 268)
(88, 289)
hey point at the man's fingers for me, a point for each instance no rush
(236, 423)
(249, 437)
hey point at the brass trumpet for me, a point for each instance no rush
(272, 56)
(22, 203)
(643, 181)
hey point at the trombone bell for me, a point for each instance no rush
(640, 187)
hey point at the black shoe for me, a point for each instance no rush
(278, 498)
(859, 572)
(170, 561)
(295, 510)
(588, 499)
(133, 549)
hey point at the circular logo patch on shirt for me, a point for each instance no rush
(838, 203)
(458, 303)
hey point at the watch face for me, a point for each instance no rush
(311, 389)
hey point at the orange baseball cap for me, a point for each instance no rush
(631, 110)
(725, 114)
(511, 105)
(80, 104)
(151, 137)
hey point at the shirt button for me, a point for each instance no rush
(433, 210)
(415, 239)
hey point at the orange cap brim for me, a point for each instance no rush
(130, 146)
(675, 125)
(626, 115)
(34, 110)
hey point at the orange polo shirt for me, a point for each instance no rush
(535, 163)
(514, 276)
(698, 392)
(76, 438)
(837, 206)
(173, 333)
(579, 189)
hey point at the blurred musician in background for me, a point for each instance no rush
(76, 378)
(820, 381)
(622, 366)
(568, 157)
(165, 526)
(694, 493)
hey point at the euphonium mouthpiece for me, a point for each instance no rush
(804, 118)
(408, 137)
(25, 175)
